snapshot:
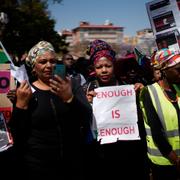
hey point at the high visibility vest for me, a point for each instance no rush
(169, 120)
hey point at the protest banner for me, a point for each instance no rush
(6, 83)
(4, 57)
(115, 112)
(5, 137)
(18, 72)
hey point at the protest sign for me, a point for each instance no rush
(19, 73)
(6, 83)
(4, 58)
(115, 112)
(5, 137)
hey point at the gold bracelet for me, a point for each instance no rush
(70, 99)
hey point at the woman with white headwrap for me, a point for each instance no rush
(48, 124)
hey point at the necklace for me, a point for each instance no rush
(170, 98)
(168, 92)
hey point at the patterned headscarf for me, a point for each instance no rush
(98, 49)
(36, 51)
(165, 58)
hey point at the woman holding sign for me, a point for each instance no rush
(49, 120)
(115, 158)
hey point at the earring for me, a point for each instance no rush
(34, 74)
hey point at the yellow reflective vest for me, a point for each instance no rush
(169, 120)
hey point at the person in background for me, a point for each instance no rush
(82, 65)
(157, 75)
(125, 159)
(69, 62)
(162, 45)
(128, 70)
(49, 121)
(160, 103)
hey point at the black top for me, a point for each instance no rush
(129, 154)
(49, 135)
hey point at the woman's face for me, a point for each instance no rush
(45, 65)
(157, 75)
(104, 70)
(173, 74)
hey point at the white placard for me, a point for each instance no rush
(115, 112)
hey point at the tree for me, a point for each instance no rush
(29, 22)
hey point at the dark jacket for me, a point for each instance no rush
(116, 159)
(49, 135)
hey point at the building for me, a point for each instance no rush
(68, 36)
(144, 35)
(146, 41)
(89, 32)
(80, 36)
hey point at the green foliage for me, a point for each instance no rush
(29, 22)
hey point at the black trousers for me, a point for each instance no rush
(8, 164)
(125, 160)
(160, 172)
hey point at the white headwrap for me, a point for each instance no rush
(36, 51)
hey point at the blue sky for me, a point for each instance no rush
(130, 14)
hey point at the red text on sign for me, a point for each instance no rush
(116, 114)
(117, 131)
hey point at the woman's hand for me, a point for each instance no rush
(90, 95)
(62, 88)
(138, 86)
(178, 164)
(174, 159)
(23, 94)
(11, 95)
